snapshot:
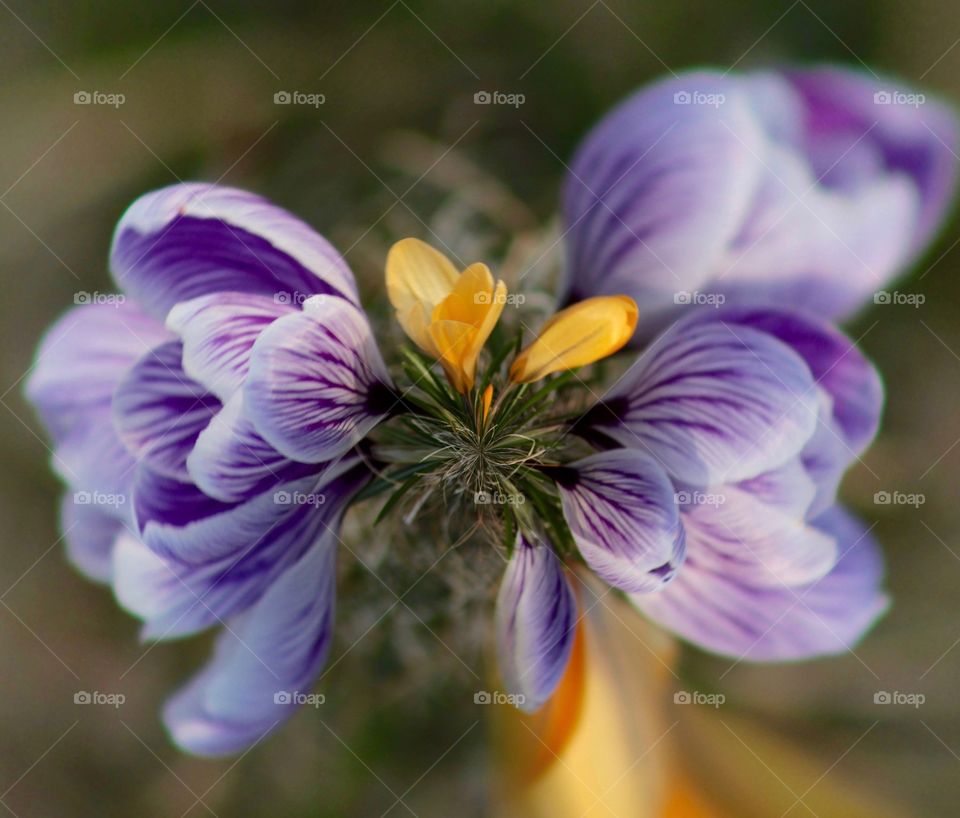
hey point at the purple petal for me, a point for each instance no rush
(179, 522)
(733, 531)
(189, 240)
(535, 624)
(722, 612)
(317, 384)
(89, 532)
(917, 140)
(851, 381)
(713, 403)
(232, 462)
(159, 411)
(622, 512)
(657, 191)
(79, 363)
(218, 331)
(267, 658)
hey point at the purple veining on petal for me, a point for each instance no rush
(535, 623)
(189, 240)
(218, 332)
(159, 411)
(622, 511)
(317, 384)
(724, 613)
(263, 663)
(713, 403)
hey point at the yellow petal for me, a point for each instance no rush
(461, 323)
(577, 336)
(418, 278)
(487, 401)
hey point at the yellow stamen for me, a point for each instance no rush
(577, 336)
(448, 315)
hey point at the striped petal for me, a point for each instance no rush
(317, 384)
(535, 623)
(190, 240)
(262, 663)
(622, 512)
(713, 403)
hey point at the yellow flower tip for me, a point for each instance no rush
(449, 315)
(579, 335)
(487, 401)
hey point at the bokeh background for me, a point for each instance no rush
(397, 140)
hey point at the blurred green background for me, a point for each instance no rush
(399, 81)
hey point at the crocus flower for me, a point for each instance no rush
(810, 188)
(239, 399)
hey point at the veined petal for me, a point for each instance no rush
(317, 384)
(262, 663)
(159, 411)
(189, 240)
(724, 612)
(231, 461)
(579, 335)
(734, 530)
(535, 623)
(181, 523)
(419, 277)
(90, 533)
(177, 598)
(713, 402)
(622, 512)
(218, 331)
